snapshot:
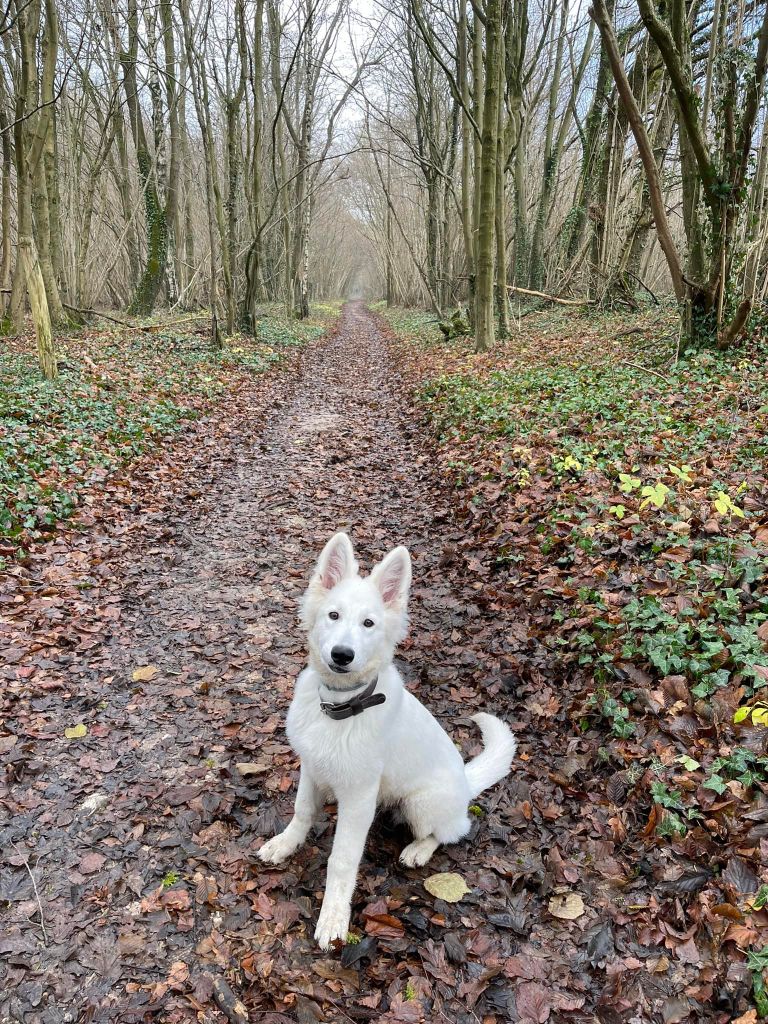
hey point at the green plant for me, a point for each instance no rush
(757, 962)
(654, 494)
(725, 505)
(682, 473)
(609, 708)
(676, 816)
(628, 483)
(741, 765)
(758, 712)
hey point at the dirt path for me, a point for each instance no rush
(141, 835)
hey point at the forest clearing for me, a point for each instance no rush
(487, 280)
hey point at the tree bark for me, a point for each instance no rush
(599, 13)
(153, 275)
(484, 326)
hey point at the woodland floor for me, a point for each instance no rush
(168, 631)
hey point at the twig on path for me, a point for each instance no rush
(647, 369)
(25, 862)
(229, 1004)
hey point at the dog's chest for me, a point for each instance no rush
(336, 752)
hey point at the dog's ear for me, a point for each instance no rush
(392, 577)
(336, 563)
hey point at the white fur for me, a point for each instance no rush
(394, 753)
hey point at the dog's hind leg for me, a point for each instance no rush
(308, 803)
(435, 816)
(419, 851)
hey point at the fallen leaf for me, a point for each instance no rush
(76, 732)
(740, 875)
(247, 768)
(144, 673)
(750, 1017)
(567, 906)
(447, 886)
(533, 1002)
(178, 975)
(91, 862)
(729, 911)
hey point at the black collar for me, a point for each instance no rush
(355, 705)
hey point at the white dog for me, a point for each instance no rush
(366, 740)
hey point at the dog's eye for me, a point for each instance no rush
(368, 623)
(333, 615)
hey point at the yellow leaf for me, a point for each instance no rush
(740, 714)
(76, 732)
(750, 1017)
(247, 768)
(760, 716)
(567, 906)
(447, 886)
(144, 673)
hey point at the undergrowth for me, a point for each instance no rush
(118, 394)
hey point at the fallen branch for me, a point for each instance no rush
(229, 1004)
(642, 284)
(173, 323)
(550, 298)
(647, 369)
(25, 862)
(96, 312)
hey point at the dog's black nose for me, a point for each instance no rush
(342, 655)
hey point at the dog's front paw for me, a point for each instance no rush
(333, 923)
(278, 849)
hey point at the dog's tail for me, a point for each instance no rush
(494, 761)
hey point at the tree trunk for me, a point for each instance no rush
(153, 276)
(589, 180)
(5, 211)
(467, 134)
(484, 328)
(478, 87)
(502, 303)
(30, 128)
(536, 276)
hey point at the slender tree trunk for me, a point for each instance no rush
(29, 136)
(173, 224)
(551, 158)
(467, 134)
(5, 212)
(478, 90)
(502, 304)
(253, 260)
(484, 328)
(600, 13)
(589, 180)
(153, 276)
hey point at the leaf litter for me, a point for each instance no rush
(141, 834)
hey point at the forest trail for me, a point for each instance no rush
(142, 834)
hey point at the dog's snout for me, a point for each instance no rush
(342, 655)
